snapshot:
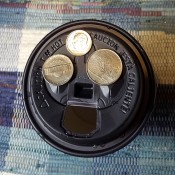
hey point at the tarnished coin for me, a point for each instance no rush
(78, 42)
(104, 67)
(57, 70)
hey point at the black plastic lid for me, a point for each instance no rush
(82, 118)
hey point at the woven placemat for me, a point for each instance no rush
(23, 23)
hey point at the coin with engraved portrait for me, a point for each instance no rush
(104, 67)
(78, 42)
(57, 69)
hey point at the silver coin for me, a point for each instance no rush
(104, 67)
(78, 42)
(57, 69)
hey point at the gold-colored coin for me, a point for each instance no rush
(57, 70)
(78, 42)
(104, 67)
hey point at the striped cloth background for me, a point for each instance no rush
(23, 23)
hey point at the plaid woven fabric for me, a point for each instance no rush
(23, 23)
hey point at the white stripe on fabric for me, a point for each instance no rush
(29, 40)
(9, 48)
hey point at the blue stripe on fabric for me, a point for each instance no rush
(11, 24)
(27, 154)
(7, 97)
(60, 164)
(147, 155)
(4, 145)
(9, 18)
(122, 162)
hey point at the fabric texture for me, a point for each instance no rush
(23, 23)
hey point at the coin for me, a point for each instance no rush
(57, 69)
(104, 67)
(78, 42)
